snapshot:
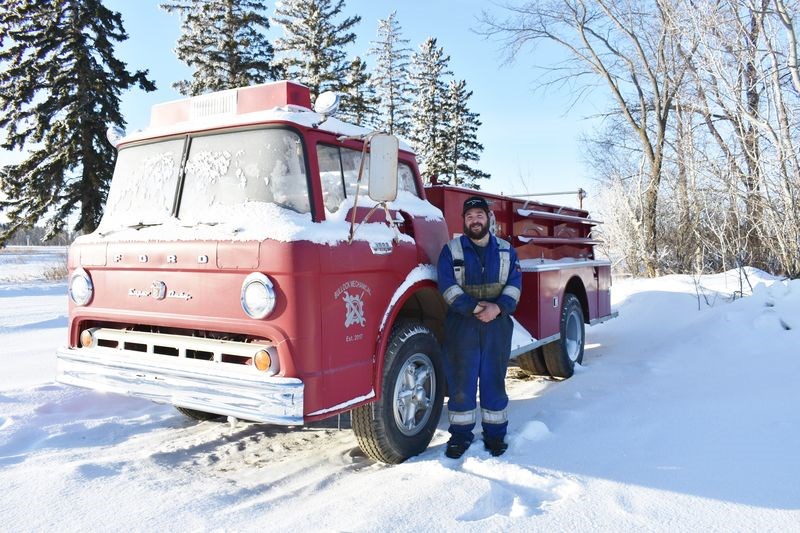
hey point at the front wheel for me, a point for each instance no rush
(560, 356)
(402, 422)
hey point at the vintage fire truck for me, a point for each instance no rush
(261, 260)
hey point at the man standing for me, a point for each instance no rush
(480, 279)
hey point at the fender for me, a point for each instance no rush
(421, 277)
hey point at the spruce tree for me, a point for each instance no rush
(312, 49)
(59, 92)
(428, 120)
(390, 78)
(359, 104)
(224, 42)
(461, 139)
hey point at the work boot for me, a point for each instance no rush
(495, 446)
(456, 448)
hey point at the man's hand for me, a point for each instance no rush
(489, 312)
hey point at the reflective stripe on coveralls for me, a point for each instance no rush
(462, 418)
(494, 417)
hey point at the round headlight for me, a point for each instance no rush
(80, 287)
(258, 295)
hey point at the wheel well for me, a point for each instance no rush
(427, 306)
(575, 286)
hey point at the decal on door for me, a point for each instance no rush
(352, 294)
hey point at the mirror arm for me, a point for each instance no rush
(358, 186)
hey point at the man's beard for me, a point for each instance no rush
(476, 233)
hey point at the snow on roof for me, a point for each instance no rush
(292, 114)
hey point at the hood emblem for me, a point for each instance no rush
(158, 290)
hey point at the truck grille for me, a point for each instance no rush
(181, 346)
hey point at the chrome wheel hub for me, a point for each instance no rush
(573, 337)
(414, 391)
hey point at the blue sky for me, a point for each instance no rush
(530, 138)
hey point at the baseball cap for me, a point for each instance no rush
(475, 202)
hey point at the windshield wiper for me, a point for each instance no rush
(201, 223)
(141, 225)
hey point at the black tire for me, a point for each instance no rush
(401, 423)
(560, 356)
(532, 363)
(198, 415)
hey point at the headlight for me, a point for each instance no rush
(80, 287)
(258, 296)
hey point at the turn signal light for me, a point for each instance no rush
(262, 360)
(87, 339)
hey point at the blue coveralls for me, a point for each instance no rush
(473, 350)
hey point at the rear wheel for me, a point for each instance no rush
(532, 362)
(402, 422)
(560, 356)
(198, 415)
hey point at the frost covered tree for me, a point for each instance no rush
(59, 91)
(312, 49)
(224, 42)
(461, 139)
(428, 120)
(359, 103)
(390, 77)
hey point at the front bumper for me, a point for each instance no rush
(232, 390)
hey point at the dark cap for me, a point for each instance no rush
(475, 202)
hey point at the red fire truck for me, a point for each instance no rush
(267, 262)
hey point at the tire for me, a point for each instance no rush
(198, 415)
(401, 423)
(560, 356)
(532, 363)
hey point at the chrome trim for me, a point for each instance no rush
(81, 273)
(534, 345)
(262, 279)
(539, 265)
(600, 320)
(225, 389)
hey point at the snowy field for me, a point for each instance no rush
(684, 417)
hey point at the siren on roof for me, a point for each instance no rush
(231, 102)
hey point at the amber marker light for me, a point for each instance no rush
(87, 339)
(262, 360)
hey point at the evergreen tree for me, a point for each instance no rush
(428, 126)
(224, 42)
(312, 50)
(59, 91)
(391, 78)
(461, 139)
(359, 103)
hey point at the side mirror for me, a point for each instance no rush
(383, 167)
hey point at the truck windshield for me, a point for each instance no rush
(222, 170)
(144, 184)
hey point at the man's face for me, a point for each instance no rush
(476, 223)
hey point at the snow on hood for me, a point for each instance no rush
(255, 221)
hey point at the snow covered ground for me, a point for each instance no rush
(683, 418)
